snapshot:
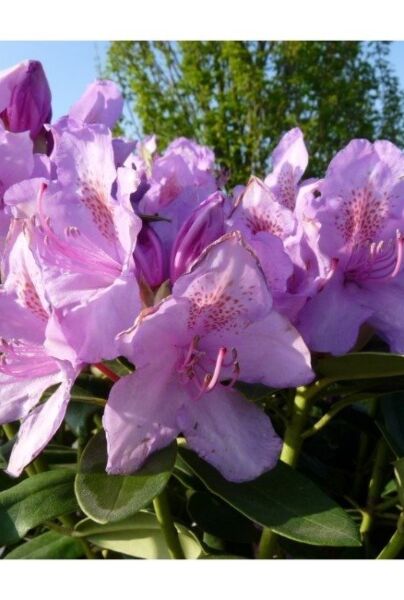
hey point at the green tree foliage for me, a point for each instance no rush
(239, 97)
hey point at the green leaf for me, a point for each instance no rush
(361, 365)
(33, 501)
(48, 545)
(108, 498)
(139, 536)
(221, 520)
(220, 556)
(284, 500)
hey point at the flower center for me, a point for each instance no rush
(194, 367)
(376, 261)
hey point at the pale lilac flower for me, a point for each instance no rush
(217, 327)
(179, 180)
(84, 239)
(361, 220)
(26, 369)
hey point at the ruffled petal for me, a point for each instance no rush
(230, 433)
(140, 416)
(39, 427)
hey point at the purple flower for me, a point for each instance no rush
(217, 327)
(361, 218)
(25, 98)
(84, 240)
(102, 102)
(26, 369)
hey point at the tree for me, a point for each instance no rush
(239, 97)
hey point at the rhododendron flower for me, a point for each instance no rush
(84, 240)
(361, 216)
(25, 98)
(217, 327)
(275, 234)
(26, 369)
(179, 181)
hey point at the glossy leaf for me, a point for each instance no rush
(48, 545)
(219, 519)
(33, 501)
(139, 536)
(361, 365)
(283, 500)
(108, 498)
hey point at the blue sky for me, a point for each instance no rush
(71, 66)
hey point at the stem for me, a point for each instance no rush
(394, 547)
(334, 410)
(375, 487)
(107, 372)
(268, 545)
(364, 443)
(163, 514)
(292, 446)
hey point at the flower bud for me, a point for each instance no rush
(148, 257)
(25, 98)
(204, 226)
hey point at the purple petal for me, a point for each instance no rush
(102, 102)
(386, 302)
(226, 288)
(289, 160)
(269, 351)
(39, 427)
(19, 395)
(330, 321)
(140, 416)
(231, 433)
(91, 326)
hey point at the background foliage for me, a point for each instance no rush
(239, 97)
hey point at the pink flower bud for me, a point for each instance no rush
(148, 257)
(204, 226)
(25, 98)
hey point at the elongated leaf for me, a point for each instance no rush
(48, 545)
(139, 536)
(220, 519)
(361, 365)
(33, 501)
(108, 498)
(283, 500)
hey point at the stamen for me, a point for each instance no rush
(218, 367)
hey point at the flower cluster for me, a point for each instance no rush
(110, 249)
